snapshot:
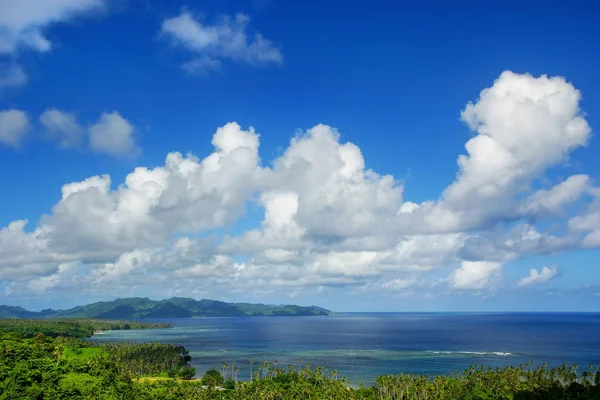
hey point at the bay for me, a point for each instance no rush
(362, 346)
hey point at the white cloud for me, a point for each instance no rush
(22, 22)
(12, 75)
(473, 275)
(14, 125)
(218, 266)
(399, 284)
(130, 265)
(423, 252)
(524, 125)
(537, 278)
(186, 195)
(329, 221)
(113, 135)
(552, 201)
(337, 196)
(64, 272)
(62, 127)
(589, 223)
(520, 241)
(25, 254)
(227, 39)
(592, 240)
(22, 27)
(346, 263)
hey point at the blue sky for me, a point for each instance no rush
(333, 179)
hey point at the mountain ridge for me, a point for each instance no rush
(174, 307)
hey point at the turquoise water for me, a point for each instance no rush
(362, 346)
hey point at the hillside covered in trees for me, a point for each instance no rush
(175, 307)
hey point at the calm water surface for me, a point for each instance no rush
(362, 346)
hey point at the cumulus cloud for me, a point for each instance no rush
(326, 219)
(589, 223)
(131, 265)
(226, 39)
(592, 240)
(337, 196)
(64, 272)
(520, 241)
(22, 27)
(185, 195)
(217, 266)
(14, 125)
(552, 201)
(536, 277)
(113, 135)
(62, 127)
(473, 275)
(22, 22)
(523, 125)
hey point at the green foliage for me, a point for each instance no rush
(213, 378)
(147, 359)
(44, 367)
(523, 382)
(186, 373)
(75, 328)
(229, 384)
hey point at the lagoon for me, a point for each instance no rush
(362, 346)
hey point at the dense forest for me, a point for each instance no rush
(75, 327)
(175, 307)
(51, 368)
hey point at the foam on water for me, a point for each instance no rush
(478, 353)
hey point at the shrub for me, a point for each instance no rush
(187, 373)
(213, 378)
(229, 384)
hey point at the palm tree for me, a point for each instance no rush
(225, 368)
(235, 371)
(251, 363)
(59, 349)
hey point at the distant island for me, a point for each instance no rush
(175, 307)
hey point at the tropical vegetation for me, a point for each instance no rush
(76, 328)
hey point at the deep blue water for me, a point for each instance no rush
(362, 346)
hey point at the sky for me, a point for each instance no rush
(387, 156)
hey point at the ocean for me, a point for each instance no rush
(362, 346)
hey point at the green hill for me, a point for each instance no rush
(176, 307)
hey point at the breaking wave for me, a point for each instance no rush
(475, 353)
